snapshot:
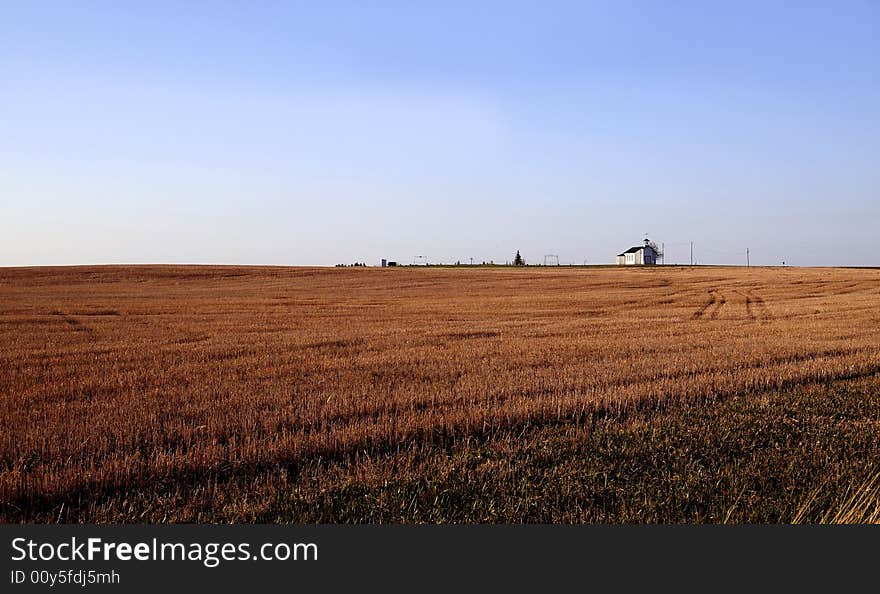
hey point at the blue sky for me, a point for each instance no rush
(325, 132)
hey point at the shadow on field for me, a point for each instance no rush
(794, 454)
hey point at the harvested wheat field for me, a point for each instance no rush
(499, 394)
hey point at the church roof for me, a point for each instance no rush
(633, 250)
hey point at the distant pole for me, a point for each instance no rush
(663, 253)
(747, 257)
(692, 253)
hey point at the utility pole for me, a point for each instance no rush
(747, 257)
(692, 253)
(663, 252)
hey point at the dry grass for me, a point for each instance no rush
(860, 504)
(121, 383)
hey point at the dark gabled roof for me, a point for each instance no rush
(633, 250)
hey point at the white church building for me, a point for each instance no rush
(640, 254)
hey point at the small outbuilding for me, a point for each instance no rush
(638, 255)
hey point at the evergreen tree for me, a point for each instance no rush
(518, 261)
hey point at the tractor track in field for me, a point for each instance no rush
(756, 308)
(712, 308)
(705, 307)
(719, 305)
(763, 312)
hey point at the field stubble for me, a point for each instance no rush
(125, 388)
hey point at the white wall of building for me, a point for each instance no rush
(640, 257)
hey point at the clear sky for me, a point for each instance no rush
(324, 132)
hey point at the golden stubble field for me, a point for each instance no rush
(116, 379)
